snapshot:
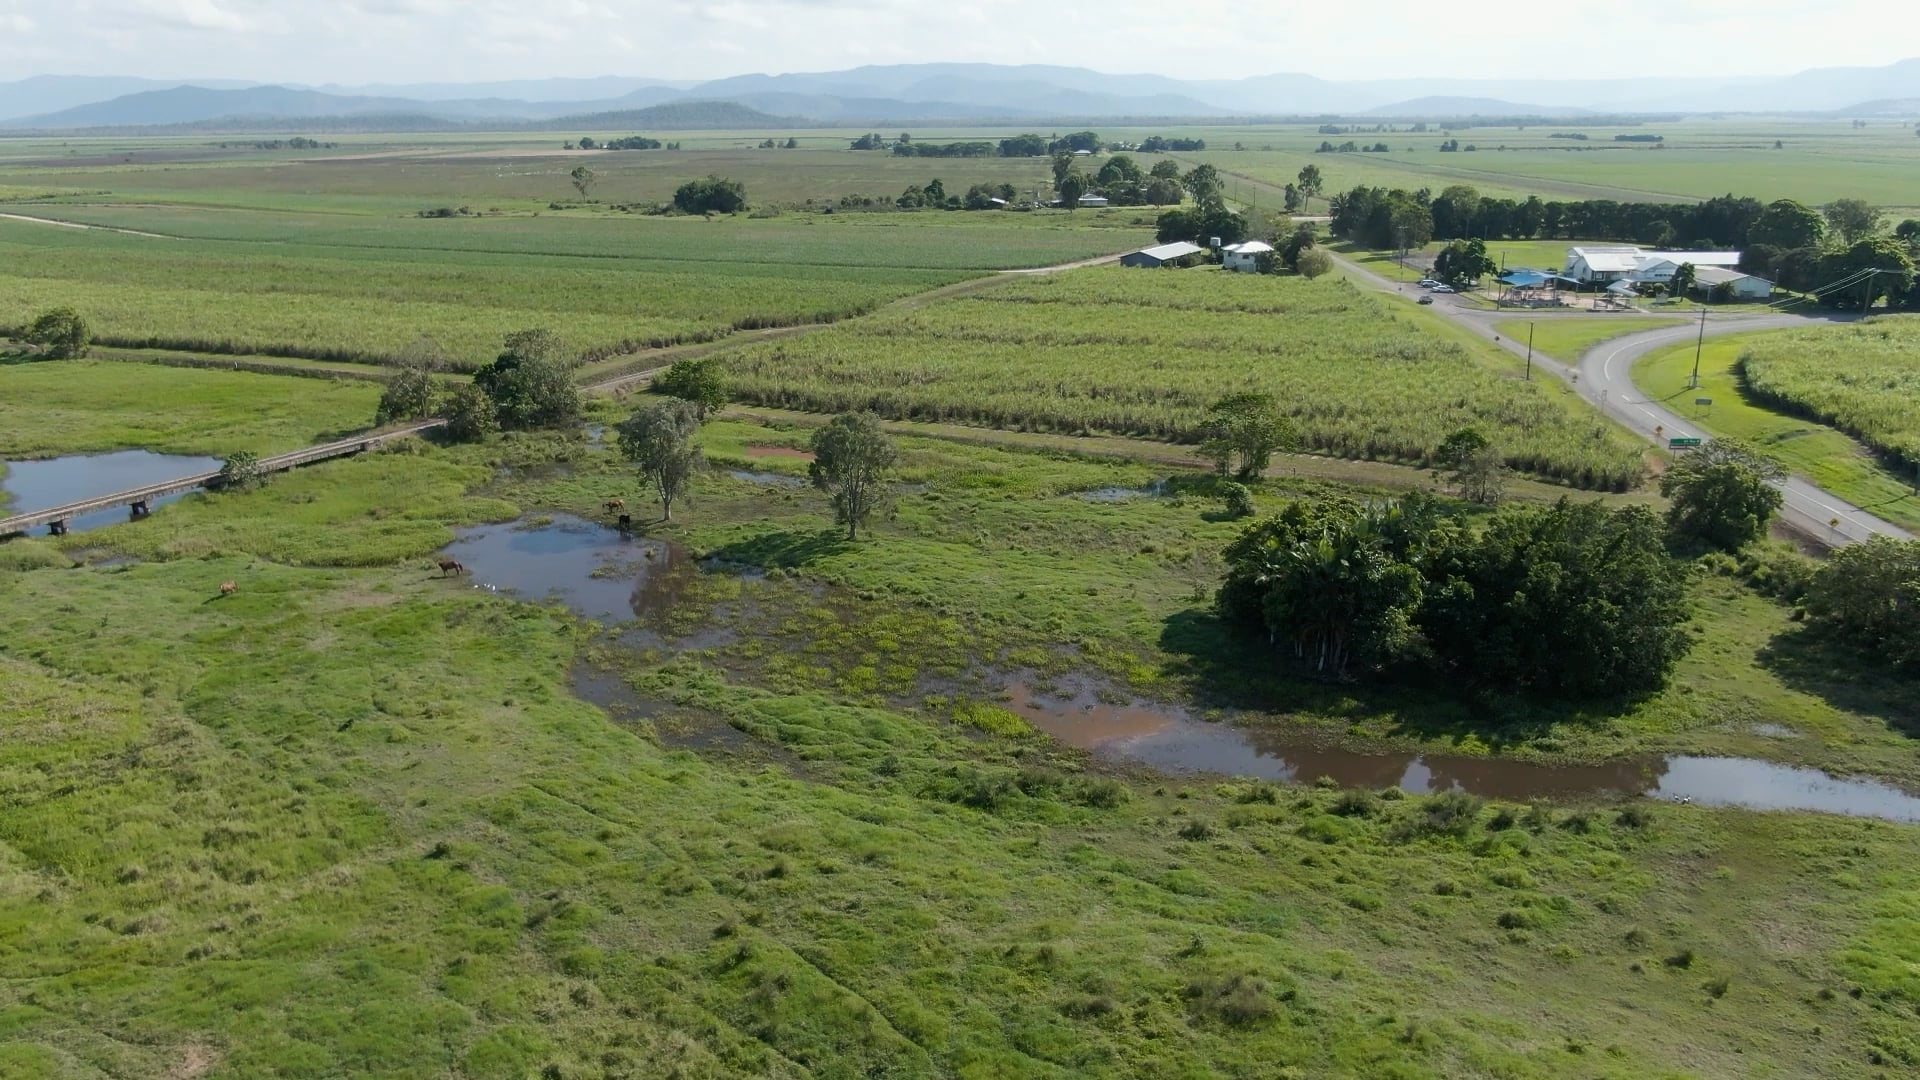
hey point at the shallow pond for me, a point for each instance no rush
(1170, 740)
(1157, 489)
(767, 479)
(596, 571)
(37, 485)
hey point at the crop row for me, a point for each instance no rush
(1145, 354)
(1862, 378)
(208, 297)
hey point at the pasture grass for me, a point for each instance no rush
(1119, 351)
(93, 406)
(352, 820)
(1828, 457)
(1567, 338)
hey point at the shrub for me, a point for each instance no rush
(470, 414)
(1353, 804)
(1196, 830)
(1634, 817)
(1516, 919)
(1238, 498)
(61, 333)
(240, 471)
(1681, 960)
(1240, 1000)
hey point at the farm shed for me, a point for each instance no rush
(1174, 254)
(1092, 200)
(1245, 257)
(1745, 286)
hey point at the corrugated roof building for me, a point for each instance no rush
(1163, 255)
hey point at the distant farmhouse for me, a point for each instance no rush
(1176, 254)
(1245, 257)
(1606, 265)
(1744, 286)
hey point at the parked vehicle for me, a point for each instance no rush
(1443, 288)
(1426, 299)
(1428, 283)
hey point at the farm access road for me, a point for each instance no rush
(1604, 377)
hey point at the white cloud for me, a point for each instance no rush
(344, 41)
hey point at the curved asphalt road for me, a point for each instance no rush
(1604, 378)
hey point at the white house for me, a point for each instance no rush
(1601, 265)
(1245, 257)
(1745, 286)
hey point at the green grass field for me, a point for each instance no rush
(352, 820)
(1122, 351)
(1829, 457)
(358, 819)
(1567, 337)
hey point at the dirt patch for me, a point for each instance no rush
(779, 452)
(196, 1060)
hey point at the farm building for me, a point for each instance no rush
(1245, 257)
(1606, 264)
(1092, 200)
(1179, 253)
(1745, 286)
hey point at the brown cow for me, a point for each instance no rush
(228, 588)
(449, 566)
(616, 504)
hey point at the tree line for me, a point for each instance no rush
(1787, 242)
(1018, 146)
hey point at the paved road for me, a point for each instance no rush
(1604, 378)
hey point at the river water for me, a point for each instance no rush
(37, 485)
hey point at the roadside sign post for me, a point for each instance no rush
(1687, 442)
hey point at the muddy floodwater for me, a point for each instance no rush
(1170, 740)
(612, 577)
(38, 485)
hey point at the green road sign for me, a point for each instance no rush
(1679, 444)
(1703, 401)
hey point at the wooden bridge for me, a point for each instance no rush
(141, 499)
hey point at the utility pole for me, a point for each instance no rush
(1529, 352)
(1694, 383)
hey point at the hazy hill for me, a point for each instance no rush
(1431, 108)
(917, 93)
(675, 116)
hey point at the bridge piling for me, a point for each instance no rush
(140, 509)
(57, 528)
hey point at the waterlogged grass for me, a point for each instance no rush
(1828, 457)
(92, 406)
(1863, 378)
(352, 822)
(1118, 351)
(1567, 338)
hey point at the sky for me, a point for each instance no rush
(361, 41)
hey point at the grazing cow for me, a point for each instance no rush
(228, 588)
(616, 504)
(448, 566)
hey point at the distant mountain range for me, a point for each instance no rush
(925, 93)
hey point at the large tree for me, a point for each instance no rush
(712, 195)
(1870, 594)
(1786, 224)
(1683, 279)
(1572, 600)
(700, 382)
(1723, 495)
(852, 457)
(1893, 273)
(1243, 432)
(531, 382)
(1119, 169)
(61, 333)
(1852, 219)
(583, 179)
(1203, 183)
(1463, 263)
(1165, 170)
(1456, 210)
(1071, 189)
(1313, 263)
(1324, 579)
(658, 438)
(1308, 184)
